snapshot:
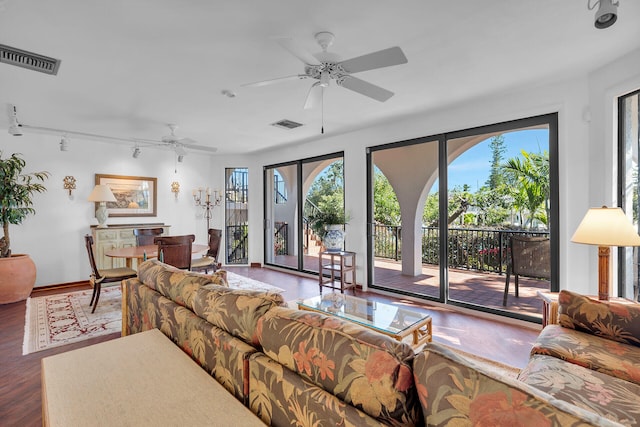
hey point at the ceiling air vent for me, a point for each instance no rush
(286, 124)
(29, 60)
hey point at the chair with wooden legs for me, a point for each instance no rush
(531, 257)
(107, 275)
(210, 260)
(175, 250)
(145, 236)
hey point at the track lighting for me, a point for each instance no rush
(180, 158)
(64, 144)
(14, 127)
(607, 13)
(136, 152)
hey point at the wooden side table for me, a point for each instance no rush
(338, 263)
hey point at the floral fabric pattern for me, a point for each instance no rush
(453, 391)
(599, 354)
(218, 352)
(613, 398)
(360, 367)
(234, 310)
(615, 321)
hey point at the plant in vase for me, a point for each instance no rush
(328, 223)
(17, 271)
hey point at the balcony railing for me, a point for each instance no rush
(468, 248)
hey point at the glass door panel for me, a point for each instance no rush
(499, 189)
(236, 215)
(405, 219)
(281, 212)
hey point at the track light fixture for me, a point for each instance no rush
(64, 144)
(180, 158)
(14, 126)
(136, 152)
(607, 13)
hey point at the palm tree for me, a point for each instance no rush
(530, 174)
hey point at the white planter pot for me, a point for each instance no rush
(334, 238)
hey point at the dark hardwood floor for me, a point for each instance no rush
(20, 399)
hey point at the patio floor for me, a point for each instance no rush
(472, 287)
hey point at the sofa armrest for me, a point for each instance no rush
(454, 390)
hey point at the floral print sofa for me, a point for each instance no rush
(290, 367)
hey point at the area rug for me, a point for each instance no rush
(57, 320)
(241, 282)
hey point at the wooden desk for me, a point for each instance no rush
(345, 263)
(137, 252)
(139, 380)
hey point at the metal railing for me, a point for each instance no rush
(468, 248)
(237, 250)
(281, 239)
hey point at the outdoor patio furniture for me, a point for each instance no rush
(531, 257)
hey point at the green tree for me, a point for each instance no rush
(530, 176)
(386, 209)
(498, 149)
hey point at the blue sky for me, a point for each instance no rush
(474, 165)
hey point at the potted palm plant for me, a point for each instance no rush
(17, 271)
(328, 222)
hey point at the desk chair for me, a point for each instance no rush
(145, 236)
(175, 250)
(210, 260)
(531, 257)
(108, 275)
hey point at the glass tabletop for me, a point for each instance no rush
(387, 318)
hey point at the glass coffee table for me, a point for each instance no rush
(397, 322)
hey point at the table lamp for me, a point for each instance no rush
(605, 227)
(101, 194)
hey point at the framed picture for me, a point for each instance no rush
(135, 195)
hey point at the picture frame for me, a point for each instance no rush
(135, 195)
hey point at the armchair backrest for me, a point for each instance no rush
(88, 241)
(531, 256)
(215, 235)
(145, 236)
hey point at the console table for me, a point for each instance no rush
(342, 263)
(138, 380)
(114, 237)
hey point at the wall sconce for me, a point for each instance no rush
(175, 188)
(208, 203)
(69, 184)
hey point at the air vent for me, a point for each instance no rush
(31, 61)
(286, 124)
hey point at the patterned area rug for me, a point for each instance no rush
(57, 320)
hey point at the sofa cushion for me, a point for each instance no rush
(235, 310)
(600, 354)
(366, 369)
(613, 398)
(178, 285)
(612, 320)
(456, 391)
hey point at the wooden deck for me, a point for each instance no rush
(472, 287)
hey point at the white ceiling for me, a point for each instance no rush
(129, 67)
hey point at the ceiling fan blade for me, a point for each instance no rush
(314, 97)
(365, 88)
(278, 80)
(380, 59)
(296, 50)
(200, 147)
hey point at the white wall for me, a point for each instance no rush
(585, 103)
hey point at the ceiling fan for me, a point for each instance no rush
(179, 145)
(326, 66)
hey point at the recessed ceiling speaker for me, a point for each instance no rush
(607, 13)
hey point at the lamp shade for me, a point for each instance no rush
(606, 227)
(101, 193)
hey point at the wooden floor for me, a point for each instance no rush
(20, 401)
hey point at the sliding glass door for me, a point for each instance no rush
(294, 191)
(446, 210)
